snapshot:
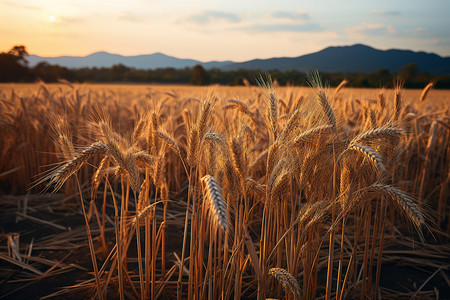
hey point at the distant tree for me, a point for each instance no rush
(120, 72)
(52, 73)
(409, 71)
(384, 77)
(239, 80)
(13, 65)
(199, 76)
(20, 52)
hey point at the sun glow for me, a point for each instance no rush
(52, 18)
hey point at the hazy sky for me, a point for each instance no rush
(221, 30)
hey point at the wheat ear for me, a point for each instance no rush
(192, 146)
(372, 155)
(96, 178)
(287, 280)
(133, 171)
(215, 138)
(377, 133)
(169, 140)
(323, 100)
(205, 115)
(397, 104)
(311, 133)
(291, 124)
(241, 106)
(216, 202)
(405, 201)
(340, 86)
(280, 186)
(237, 156)
(68, 169)
(257, 188)
(425, 91)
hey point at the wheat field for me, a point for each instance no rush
(254, 192)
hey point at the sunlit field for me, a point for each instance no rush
(255, 192)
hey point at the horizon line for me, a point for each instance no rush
(217, 60)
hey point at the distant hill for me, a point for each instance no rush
(351, 59)
(332, 59)
(105, 59)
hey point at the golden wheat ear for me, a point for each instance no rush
(60, 175)
(340, 86)
(425, 91)
(272, 102)
(314, 81)
(193, 144)
(403, 200)
(370, 154)
(206, 114)
(287, 280)
(383, 132)
(216, 202)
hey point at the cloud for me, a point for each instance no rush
(294, 16)
(280, 27)
(367, 29)
(285, 21)
(68, 20)
(21, 6)
(385, 13)
(415, 32)
(206, 17)
(130, 17)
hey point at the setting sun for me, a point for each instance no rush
(52, 19)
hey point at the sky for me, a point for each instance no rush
(235, 30)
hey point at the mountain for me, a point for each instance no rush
(332, 59)
(105, 59)
(350, 59)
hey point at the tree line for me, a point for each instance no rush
(14, 68)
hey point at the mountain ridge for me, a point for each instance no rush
(353, 58)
